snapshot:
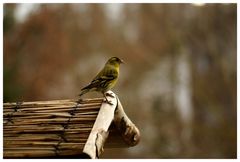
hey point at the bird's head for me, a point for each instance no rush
(115, 61)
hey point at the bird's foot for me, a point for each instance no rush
(110, 94)
(109, 102)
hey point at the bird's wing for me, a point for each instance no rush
(103, 78)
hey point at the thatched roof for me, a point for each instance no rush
(65, 128)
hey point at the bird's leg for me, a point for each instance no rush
(110, 95)
(106, 100)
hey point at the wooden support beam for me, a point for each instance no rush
(94, 145)
(108, 114)
(127, 129)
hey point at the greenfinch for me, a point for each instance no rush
(105, 79)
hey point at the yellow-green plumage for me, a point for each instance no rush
(106, 78)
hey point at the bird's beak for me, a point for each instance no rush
(122, 62)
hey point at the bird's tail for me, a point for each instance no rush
(85, 90)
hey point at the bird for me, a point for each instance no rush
(105, 79)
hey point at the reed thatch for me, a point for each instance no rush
(59, 128)
(47, 128)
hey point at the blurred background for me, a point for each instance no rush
(178, 84)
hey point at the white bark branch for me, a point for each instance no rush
(127, 129)
(94, 145)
